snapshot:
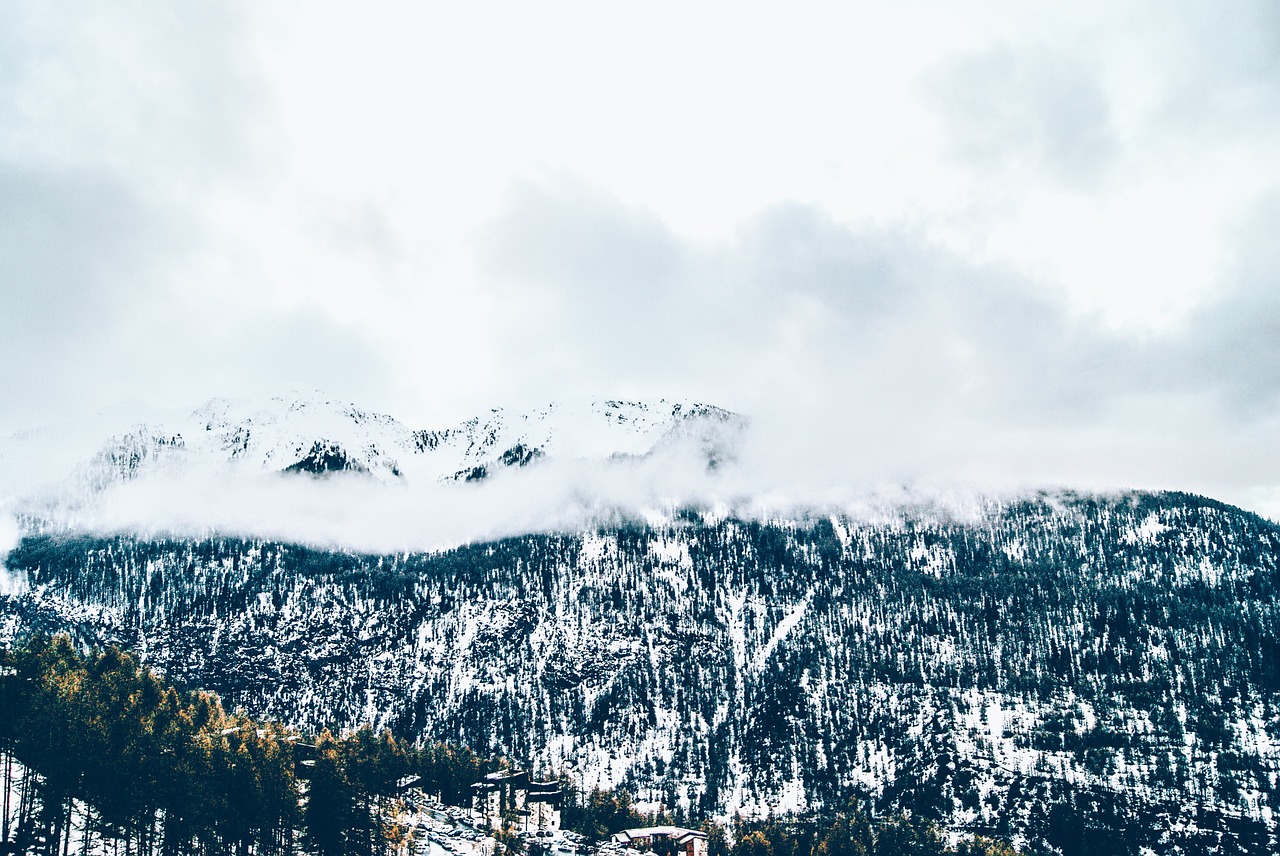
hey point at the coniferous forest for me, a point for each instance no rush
(101, 755)
(98, 750)
(1085, 673)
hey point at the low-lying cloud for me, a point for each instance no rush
(901, 270)
(773, 472)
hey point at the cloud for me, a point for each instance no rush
(1230, 346)
(795, 300)
(10, 535)
(906, 279)
(1220, 71)
(877, 354)
(80, 253)
(1024, 110)
(127, 276)
(583, 241)
(355, 512)
(586, 285)
(143, 90)
(90, 316)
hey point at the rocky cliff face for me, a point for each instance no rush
(1064, 659)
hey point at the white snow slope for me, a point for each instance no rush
(310, 468)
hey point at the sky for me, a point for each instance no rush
(991, 242)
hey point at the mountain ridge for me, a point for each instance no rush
(1008, 664)
(1115, 657)
(226, 467)
(282, 431)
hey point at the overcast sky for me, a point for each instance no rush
(1002, 242)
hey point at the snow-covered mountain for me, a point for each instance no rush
(1052, 665)
(309, 468)
(1031, 667)
(315, 434)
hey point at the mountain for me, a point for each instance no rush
(1056, 668)
(312, 469)
(311, 433)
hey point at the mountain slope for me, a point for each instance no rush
(1106, 661)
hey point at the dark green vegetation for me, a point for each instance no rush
(107, 752)
(100, 731)
(1083, 671)
(98, 752)
(96, 748)
(849, 831)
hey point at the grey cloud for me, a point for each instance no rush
(119, 124)
(1233, 344)
(65, 239)
(90, 313)
(80, 252)
(598, 285)
(1005, 109)
(797, 298)
(571, 236)
(893, 342)
(146, 90)
(298, 349)
(168, 353)
(1223, 67)
(799, 249)
(966, 334)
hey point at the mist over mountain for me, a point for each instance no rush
(307, 468)
(1063, 664)
(615, 591)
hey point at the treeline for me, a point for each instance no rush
(849, 832)
(95, 749)
(99, 751)
(1064, 668)
(112, 752)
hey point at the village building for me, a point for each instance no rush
(684, 842)
(511, 797)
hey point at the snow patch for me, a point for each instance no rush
(1147, 531)
(785, 626)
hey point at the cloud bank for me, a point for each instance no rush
(358, 512)
(918, 245)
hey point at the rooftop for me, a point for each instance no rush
(678, 833)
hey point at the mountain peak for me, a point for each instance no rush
(309, 431)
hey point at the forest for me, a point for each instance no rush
(99, 754)
(98, 749)
(1060, 668)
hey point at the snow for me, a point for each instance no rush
(217, 469)
(271, 434)
(785, 626)
(595, 547)
(1148, 531)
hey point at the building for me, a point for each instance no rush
(512, 797)
(543, 806)
(684, 842)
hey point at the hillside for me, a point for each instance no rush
(1063, 665)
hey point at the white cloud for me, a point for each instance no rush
(992, 238)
